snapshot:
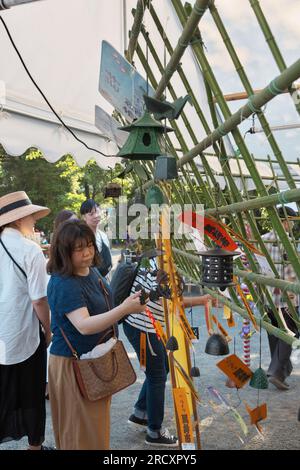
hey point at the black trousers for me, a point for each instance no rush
(22, 398)
(280, 365)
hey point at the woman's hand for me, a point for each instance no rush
(132, 304)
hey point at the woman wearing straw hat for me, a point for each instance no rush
(24, 322)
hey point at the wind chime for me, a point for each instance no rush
(217, 272)
(112, 189)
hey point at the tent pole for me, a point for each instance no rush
(6, 4)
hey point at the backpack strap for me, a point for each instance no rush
(13, 260)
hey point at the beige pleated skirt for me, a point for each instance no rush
(78, 424)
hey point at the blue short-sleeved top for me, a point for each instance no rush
(66, 294)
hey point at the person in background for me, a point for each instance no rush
(62, 216)
(90, 213)
(78, 306)
(148, 413)
(24, 323)
(280, 366)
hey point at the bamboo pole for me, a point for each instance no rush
(243, 95)
(142, 58)
(135, 30)
(257, 278)
(272, 44)
(207, 167)
(284, 197)
(199, 9)
(231, 122)
(5, 4)
(242, 74)
(272, 330)
(253, 105)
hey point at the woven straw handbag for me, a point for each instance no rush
(102, 377)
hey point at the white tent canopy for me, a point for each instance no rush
(60, 42)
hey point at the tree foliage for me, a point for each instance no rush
(60, 185)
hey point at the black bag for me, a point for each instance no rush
(106, 260)
(122, 280)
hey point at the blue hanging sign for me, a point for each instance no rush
(120, 84)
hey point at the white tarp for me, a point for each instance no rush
(60, 42)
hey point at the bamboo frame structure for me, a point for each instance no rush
(217, 143)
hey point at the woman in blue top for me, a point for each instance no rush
(78, 306)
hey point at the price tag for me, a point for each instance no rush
(235, 369)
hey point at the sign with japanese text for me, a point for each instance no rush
(121, 85)
(235, 369)
(183, 414)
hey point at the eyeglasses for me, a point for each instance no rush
(79, 249)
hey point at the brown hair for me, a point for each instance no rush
(65, 238)
(61, 217)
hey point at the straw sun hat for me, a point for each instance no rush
(17, 205)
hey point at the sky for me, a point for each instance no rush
(258, 62)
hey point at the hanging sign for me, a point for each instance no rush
(184, 418)
(120, 84)
(211, 228)
(217, 231)
(143, 351)
(230, 321)
(257, 414)
(108, 126)
(242, 240)
(236, 370)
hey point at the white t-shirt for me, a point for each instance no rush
(19, 325)
(101, 237)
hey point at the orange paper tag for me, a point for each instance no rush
(257, 414)
(230, 321)
(161, 332)
(183, 414)
(235, 369)
(143, 351)
(226, 312)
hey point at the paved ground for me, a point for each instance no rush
(281, 430)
